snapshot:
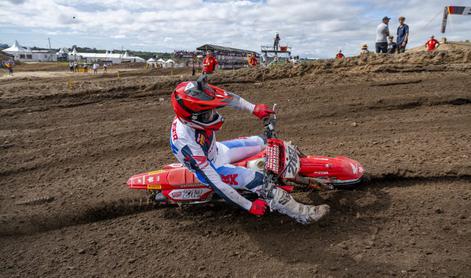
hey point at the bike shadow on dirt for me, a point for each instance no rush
(354, 214)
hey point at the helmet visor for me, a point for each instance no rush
(207, 117)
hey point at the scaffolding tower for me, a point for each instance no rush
(271, 54)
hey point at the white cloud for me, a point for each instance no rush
(314, 28)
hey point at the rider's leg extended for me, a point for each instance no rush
(242, 178)
(279, 200)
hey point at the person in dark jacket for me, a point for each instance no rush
(276, 42)
(402, 35)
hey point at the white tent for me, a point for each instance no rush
(169, 63)
(152, 62)
(136, 59)
(24, 54)
(16, 47)
(108, 56)
(63, 51)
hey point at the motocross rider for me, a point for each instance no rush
(193, 142)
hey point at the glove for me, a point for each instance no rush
(262, 111)
(258, 207)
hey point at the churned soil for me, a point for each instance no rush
(68, 146)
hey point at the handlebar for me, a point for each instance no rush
(269, 124)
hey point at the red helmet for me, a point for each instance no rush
(195, 104)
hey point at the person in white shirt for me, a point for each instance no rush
(382, 34)
(95, 68)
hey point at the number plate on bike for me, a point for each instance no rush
(282, 158)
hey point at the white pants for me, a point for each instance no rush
(235, 150)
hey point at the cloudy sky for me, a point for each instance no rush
(313, 28)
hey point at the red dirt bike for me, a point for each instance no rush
(282, 163)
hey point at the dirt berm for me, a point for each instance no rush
(68, 146)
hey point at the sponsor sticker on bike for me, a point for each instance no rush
(188, 194)
(292, 161)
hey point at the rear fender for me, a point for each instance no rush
(169, 178)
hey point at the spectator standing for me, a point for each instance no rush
(265, 59)
(402, 35)
(339, 55)
(276, 42)
(382, 33)
(193, 62)
(71, 66)
(432, 44)
(105, 67)
(9, 67)
(95, 68)
(392, 46)
(252, 60)
(209, 63)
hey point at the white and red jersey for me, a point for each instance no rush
(198, 150)
(202, 143)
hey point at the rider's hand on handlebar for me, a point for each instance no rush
(262, 111)
(258, 207)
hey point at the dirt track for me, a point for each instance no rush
(68, 151)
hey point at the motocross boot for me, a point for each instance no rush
(284, 203)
